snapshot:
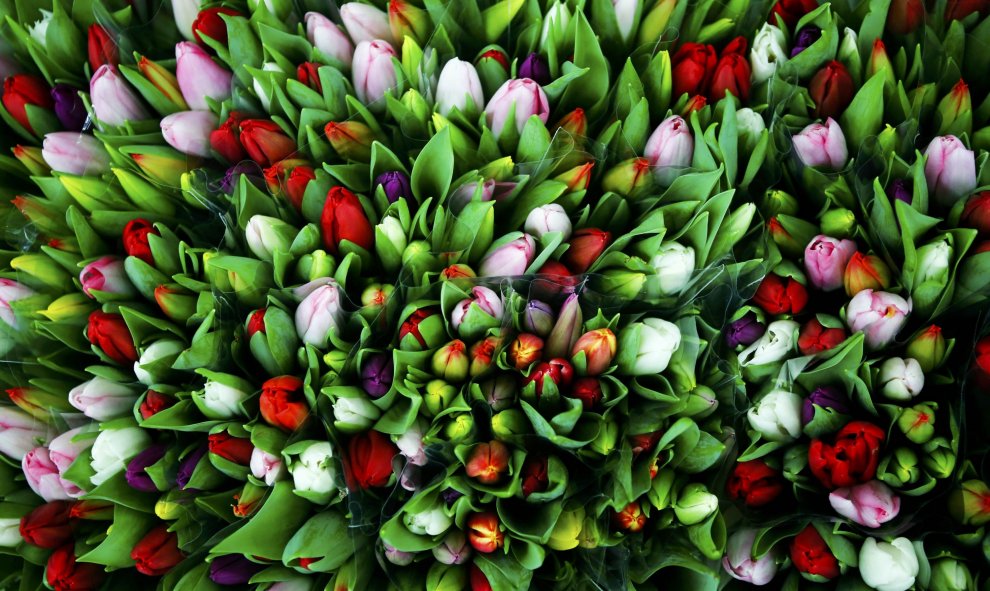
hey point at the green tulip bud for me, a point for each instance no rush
(955, 111)
(918, 422)
(777, 202)
(566, 532)
(509, 423)
(928, 347)
(838, 223)
(901, 468)
(450, 362)
(969, 503)
(607, 438)
(939, 460)
(315, 265)
(439, 394)
(695, 504)
(701, 402)
(949, 574)
(622, 283)
(631, 178)
(459, 428)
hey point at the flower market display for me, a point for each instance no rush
(495, 295)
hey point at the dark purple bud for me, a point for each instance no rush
(233, 569)
(450, 495)
(901, 190)
(825, 397)
(538, 318)
(396, 185)
(69, 107)
(744, 331)
(188, 465)
(806, 37)
(535, 68)
(136, 476)
(251, 169)
(377, 374)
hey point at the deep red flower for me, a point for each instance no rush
(283, 404)
(100, 47)
(754, 483)
(791, 11)
(976, 214)
(693, 67)
(585, 246)
(815, 338)
(812, 555)
(960, 9)
(411, 325)
(534, 475)
(344, 218)
(981, 363)
(369, 460)
(904, 16)
(21, 90)
(589, 391)
(308, 73)
(256, 322)
(210, 24)
(63, 573)
(560, 371)
(295, 185)
(832, 90)
(155, 402)
(265, 142)
(781, 295)
(225, 140)
(109, 332)
(135, 237)
(48, 526)
(732, 73)
(233, 449)
(851, 460)
(157, 552)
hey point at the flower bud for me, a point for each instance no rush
(267, 235)
(593, 352)
(646, 347)
(523, 97)
(200, 77)
(828, 398)
(459, 87)
(525, 350)
(584, 248)
(670, 148)
(950, 169)
(354, 413)
(825, 260)
(877, 314)
(373, 72)
(264, 142)
(969, 503)
(313, 472)
(75, 153)
(768, 52)
(450, 362)
(344, 218)
(865, 272)
(956, 111)
(319, 312)
(928, 347)
(472, 317)
(508, 258)
(328, 39)
(781, 295)
(674, 265)
(775, 344)
(548, 218)
(739, 561)
(189, 131)
(889, 566)
(558, 372)
(754, 483)
(949, 574)
(816, 337)
(454, 549)
(106, 275)
(777, 416)
(744, 331)
(484, 532)
(870, 505)
(366, 23)
(155, 364)
(488, 462)
(395, 184)
(695, 504)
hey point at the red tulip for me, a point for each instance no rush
(478, 580)
(815, 338)
(693, 67)
(102, 49)
(136, 239)
(588, 391)
(496, 55)
(534, 475)
(631, 518)
(575, 123)
(343, 218)
(489, 462)
(832, 90)
(754, 483)
(585, 246)
(904, 16)
(811, 555)
(791, 11)
(233, 449)
(643, 442)
(552, 280)
(154, 403)
(109, 332)
(63, 573)
(283, 404)
(981, 364)
(226, 142)
(781, 295)
(264, 141)
(484, 532)
(48, 526)
(960, 9)
(308, 74)
(157, 552)
(256, 322)
(369, 460)
(851, 460)
(976, 214)
(411, 325)
(21, 90)
(560, 371)
(525, 350)
(732, 72)
(295, 185)
(599, 348)
(210, 24)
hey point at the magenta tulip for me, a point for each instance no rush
(878, 315)
(43, 477)
(825, 259)
(106, 274)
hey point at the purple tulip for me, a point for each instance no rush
(450, 495)
(396, 185)
(538, 318)
(247, 168)
(536, 68)
(806, 37)
(136, 475)
(901, 190)
(69, 107)
(825, 397)
(233, 569)
(188, 465)
(200, 77)
(376, 374)
(745, 331)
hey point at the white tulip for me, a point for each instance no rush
(889, 566)
(777, 416)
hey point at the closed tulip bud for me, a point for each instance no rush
(484, 532)
(366, 23)
(20, 433)
(558, 371)
(546, 219)
(901, 379)
(695, 504)
(454, 549)
(156, 361)
(822, 145)
(106, 275)
(566, 329)
(538, 318)
(314, 473)
(670, 147)
(395, 185)
(222, 399)
(350, 139)
(189, 131)
(825, 260)
(739, 561)
(266, 467)
(751, 127)
(225, 140)
(210, 24)
(960, 9)
(344, 218)
(934, 261)
(593, 352)
(267, 235)
(265, 142)
(535, 68)
(768, 52)
(114, 103)
(969, 503)
(903, 468)
(956, 111)
(905, 16)
(157, 552)
(508, 258)
(584, 248)
(75, 153)
(34, 161)
(328, 39)
(832, 90)
(525, 350)
(200, 77)
(373, 72)
(781, 295)
(429, 522)
(877, 314)
(630, 177)
(865, 272)
(493, 69)
(888, 566)
(523, 97)
(459, 87)
(69, 107)
(949, 574)
(472, 317)
(437, 397)
(777, 416)
(112, 449)
(43, 477)
(732, 73)
(646, 347)
(693, 66)
(164, 81)
(47, 526)
(918, 422)
(319, 312)
(928, 347)
(154, 403)
(450, 362)
(950, 169)
(674, 266)
(976, 214)
(816, 337)
(870, 504)
(354, 413)
(177, 303)
(136, 474)
(744, 331)
(22, 91)
(377, 373)
(100, 47)
(776, 343)
(839, 222)
(283, 403)
(805, 38)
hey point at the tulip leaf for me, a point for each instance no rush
(864, 115)
(592, 92)
(504, 573)
(434, 168)
(267, 534)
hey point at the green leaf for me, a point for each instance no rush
(864, 116)
(434, 168)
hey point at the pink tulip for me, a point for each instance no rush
(43, 478)
(508, 259)
(366, 23)
(822, 145)
(950, 169)
(489, 302)
(200, 77)
(319, 312)
(878, 315)
(739, 562)
(266, 467)
(189, 131)
(10, 292)
(113, 100)
(671, 145)
(101, 399)
(528, 98)
(20, 432)
(825, 259)
(106, 274)
(75, 153)
(870, 504)
(373, 72)
(328, 39)
(63, 450)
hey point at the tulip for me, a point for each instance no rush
(266, 467)
(745, 331)
(918, 422)
(775, 344)
(816, 337)
(928, 347)
(781, 295)
(559, 371)
(313, 472)
(806, 37)
(109, 332)
(136, 241)
(344, 218)
(354, 413)
(827, 398)
(473, 316)
(865, 272)
(136, 472)
(525, 350)
(328, 39)
(236, 450)
(431, 522)
(674, 266)
(10, 293)
(200, 77)
(101, 399)
(43, 477)
(20, 433)
(395, 185)
(976, 214)
(267, 236)
(376, 375)
(63, 573)
(47, 526)
(75, 153)
(888, 566)
(950, 169)
(113, 448)
(189, 131)
(157, 552)
(904, 16)
(949, 574)
(454, 549)
(536, 69)
(598, 349)
(523, 96)
(450, 362)
(851, 460)
(670, 147)
(960, 9)
(877, 314)
(812, 556)
(209, 24)
(233, 569)
(283, 404)
(901, 379)
(69, 107)
(646, 347)
(870, 505)
(825, 259)
(373, 72)
(459, 87)
(484, 532)
(740, 563)
(732, 73)
(832, 90)
(114, 103)
(768, 52)
(754, 483)
(319, 312)
(969, 503)
(100, 47)
(21, 91)
(154, 403)
(538, 318)
(630, 518)
(350, 139)
(548, 218)
(222, 399)
(265, 142)
(488, 462)
(822, 145)
(225, 140)
(508, 258)
(777, 416)
(106, 275)
(584, 248)
(693, 66)
(366, 23)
